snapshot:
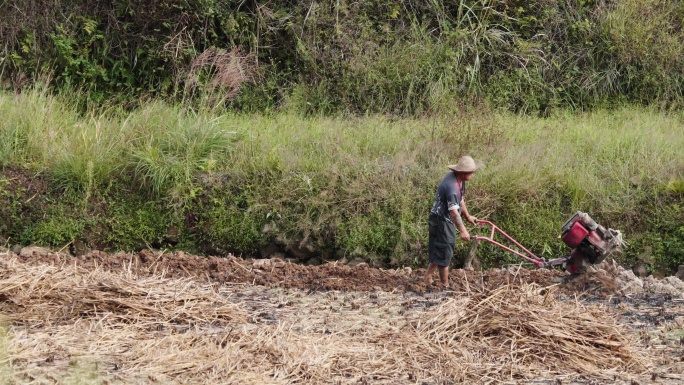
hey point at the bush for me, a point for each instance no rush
(376, 56)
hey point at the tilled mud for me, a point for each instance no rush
(284, 274)
(605, 280)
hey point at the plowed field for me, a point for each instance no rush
(156, 317)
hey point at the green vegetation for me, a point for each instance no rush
(170, 177)
(380, 56)
(220, 126)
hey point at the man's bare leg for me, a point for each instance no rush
(430, 272)
(444, 275)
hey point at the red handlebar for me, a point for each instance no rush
(539, 262)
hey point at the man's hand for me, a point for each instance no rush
(464, 234)
(472, 219)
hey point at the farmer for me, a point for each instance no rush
(445, 218)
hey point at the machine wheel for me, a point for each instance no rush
(576, 264)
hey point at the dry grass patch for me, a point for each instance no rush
(129, 329)
(522, 331)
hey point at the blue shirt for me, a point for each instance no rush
(448, 196)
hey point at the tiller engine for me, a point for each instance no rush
(591, 243)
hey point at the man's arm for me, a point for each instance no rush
(464, 211)
(459, 225)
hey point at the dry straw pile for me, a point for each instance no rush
(518, 331)
(129, 329)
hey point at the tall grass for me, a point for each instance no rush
(160, 146)
(360, 185)
(171, 146)
(377, 56)
(612, 158)
(646, 36)
(614, 165)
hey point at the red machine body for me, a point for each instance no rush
(590, 241)
(575, 235)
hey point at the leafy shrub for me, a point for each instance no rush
(58, 229)
(409, 57)
(226, 223)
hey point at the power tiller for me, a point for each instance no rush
(591, 243)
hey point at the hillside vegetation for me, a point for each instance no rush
(322, 128)
(170, 177)
(401, 57)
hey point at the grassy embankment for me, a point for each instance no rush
(169, 177)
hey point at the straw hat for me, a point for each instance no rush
(466, 164)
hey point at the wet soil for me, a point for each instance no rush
(658, 321)
(283, 274)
